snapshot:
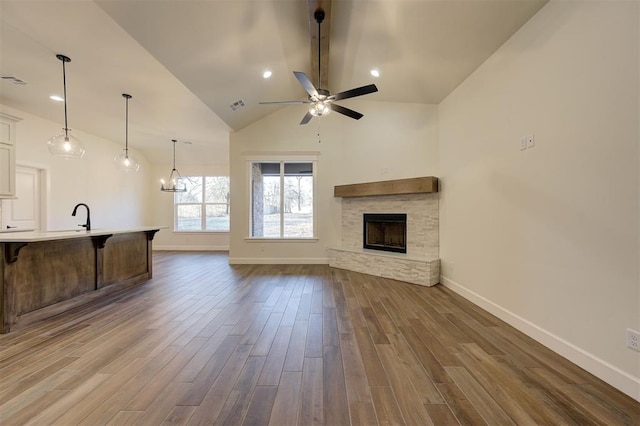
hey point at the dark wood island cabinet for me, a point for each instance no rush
(46, 273)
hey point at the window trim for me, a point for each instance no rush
(203, 210)
(282, 158)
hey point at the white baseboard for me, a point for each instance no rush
(278, 261)
(190, 248)
(617, 378)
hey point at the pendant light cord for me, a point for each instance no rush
(64, 84)
(174, 155)
(126, 128)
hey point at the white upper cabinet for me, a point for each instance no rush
(8, 155)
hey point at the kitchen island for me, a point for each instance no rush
(46, 273)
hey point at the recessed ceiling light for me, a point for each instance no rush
(375, 73)
(56, 98)
(266, 74)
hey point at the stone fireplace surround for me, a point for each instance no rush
(420, 265)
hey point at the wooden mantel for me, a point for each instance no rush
(418, 185)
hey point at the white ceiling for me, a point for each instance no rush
(186, 61)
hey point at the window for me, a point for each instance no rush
(282, 199)
(205, 205)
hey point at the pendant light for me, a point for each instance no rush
(65, 145)
(125, 161)
(174, 184)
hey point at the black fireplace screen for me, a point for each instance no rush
(387, 232)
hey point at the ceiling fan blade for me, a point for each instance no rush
(306, 84)
(307, 117)
(285, 103)
(346, 111)
(359, 91)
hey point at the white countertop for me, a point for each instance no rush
(35, 236)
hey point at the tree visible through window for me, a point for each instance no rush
(282, 199)
(205, 206)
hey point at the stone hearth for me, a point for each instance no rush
(419, 265)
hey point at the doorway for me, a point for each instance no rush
(26, 211)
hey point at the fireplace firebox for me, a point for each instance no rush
(385, 231)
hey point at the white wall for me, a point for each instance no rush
(162, 210)
(401, 138)
(116, 199)
(547, 238)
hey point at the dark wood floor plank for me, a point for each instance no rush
(286, 406)
(259, 411)
(143, 399)
(362, 413)
(179, 415)
(330, 335)
(262, 346)
(354, 372)
(412, 368)
(409, 401)
(334, 397)
(460, 406)
(376, 375)
(312, 405)
(386, 406)
(313, 345)
(110, 407)
(488, 408)
(275, 359)
(294, 360)
(208, 342)
(237, 402)
(429, 362)
(213, 402)
(518, 404)
(209, 372)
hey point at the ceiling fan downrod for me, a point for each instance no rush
(319, 17)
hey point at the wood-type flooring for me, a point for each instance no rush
(208, 343)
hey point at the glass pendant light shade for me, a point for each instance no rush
(319, 109)
(65, 145)
(175, 182)
(125, 161)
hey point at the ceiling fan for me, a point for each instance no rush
(321, 100)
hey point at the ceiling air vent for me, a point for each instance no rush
(236, 105)
(14, 80)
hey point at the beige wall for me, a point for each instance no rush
(547, 238)
(116, 199)
(392, 141)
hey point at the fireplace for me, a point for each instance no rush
(386, 232)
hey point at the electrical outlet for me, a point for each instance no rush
(531, 141)
(523, 143)
(633, 339)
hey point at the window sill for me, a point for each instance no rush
(280, 240)
(200, 232)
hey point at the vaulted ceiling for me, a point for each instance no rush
(186, 62)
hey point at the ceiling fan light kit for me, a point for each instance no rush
(321, 100)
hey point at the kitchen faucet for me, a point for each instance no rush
(88, 224)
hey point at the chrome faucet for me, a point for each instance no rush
(88, 224)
